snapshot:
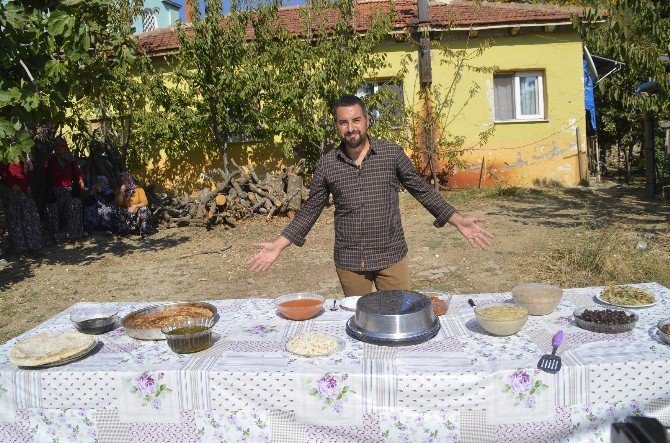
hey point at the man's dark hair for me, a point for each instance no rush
(349, 100)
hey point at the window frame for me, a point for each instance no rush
(378, 83)
(518, 117)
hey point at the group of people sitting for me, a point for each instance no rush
(69, 204)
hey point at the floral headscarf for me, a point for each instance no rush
(131, 185)
(105, 184)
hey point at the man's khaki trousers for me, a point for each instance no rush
(360, 282)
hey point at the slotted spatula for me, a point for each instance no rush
(552, 363)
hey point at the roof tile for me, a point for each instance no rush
(456, 13)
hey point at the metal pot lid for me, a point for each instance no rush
(395, 302)
(414, 338)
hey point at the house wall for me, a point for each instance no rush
(518, 153)
(168, 14)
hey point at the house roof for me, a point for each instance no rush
(458, 14)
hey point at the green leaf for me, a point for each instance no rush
(58, 21)
(70, 2)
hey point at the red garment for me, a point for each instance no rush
(61, 176)
(15, 174)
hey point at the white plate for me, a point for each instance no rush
(341, 344)
(627, 306)
(349, 303)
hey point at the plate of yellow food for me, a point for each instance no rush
(314, 344)
(627, 296)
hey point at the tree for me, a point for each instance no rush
(218, 77)
(328, 58)
(53, 55)
(636, 32)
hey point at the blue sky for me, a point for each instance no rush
(226, 5)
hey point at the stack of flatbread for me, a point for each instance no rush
(46, 349)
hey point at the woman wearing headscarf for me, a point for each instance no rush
(21, 215)
(66, 184)
(99, 205)
(132, 207)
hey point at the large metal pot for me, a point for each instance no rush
(393, 318)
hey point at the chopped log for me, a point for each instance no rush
(221, 187)
(294, 187)
(267, 195)
(221, 199)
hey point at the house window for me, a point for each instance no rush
(149, 19)
(519, 96)
(384, 100)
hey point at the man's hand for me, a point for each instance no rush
(467, 226)
(16, 188)
(268, 254)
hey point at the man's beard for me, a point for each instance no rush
(353, 143)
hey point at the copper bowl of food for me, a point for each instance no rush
(146, 324)
(300, 306)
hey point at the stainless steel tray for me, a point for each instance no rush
(393, 318)
(391, 339)
(156, 334)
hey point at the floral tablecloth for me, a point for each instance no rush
(463, 385)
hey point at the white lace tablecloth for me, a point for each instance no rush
(463, 385)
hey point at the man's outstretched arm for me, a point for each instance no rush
(438, 206)
(297, 230)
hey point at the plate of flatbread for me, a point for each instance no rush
(45, 350)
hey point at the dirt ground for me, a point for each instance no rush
(188, 264)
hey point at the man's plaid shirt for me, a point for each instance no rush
(368, 231)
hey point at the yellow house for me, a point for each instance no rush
(534, 98)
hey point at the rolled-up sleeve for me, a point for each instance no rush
(309, 212)
(422, 191)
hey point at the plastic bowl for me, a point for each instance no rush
(665, 336)
(94, 321)
(538, 298)
(604, 328)
(440, 301)
(500, 327)
(301, 306)
(189, 335)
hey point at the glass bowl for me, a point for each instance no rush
(94, 321)
(604, 328)
(189, 335)
(440, 301)
(538, 298)
(300, 306)
(501, 326)
(664, 335)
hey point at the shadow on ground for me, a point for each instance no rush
(85, 252)
(555, 208)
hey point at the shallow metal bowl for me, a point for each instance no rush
(94, 321)
(393, 318)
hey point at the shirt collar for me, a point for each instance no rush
(373, 149)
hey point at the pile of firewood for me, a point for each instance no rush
(233, 196)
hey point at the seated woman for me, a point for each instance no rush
(132, 207)
(98, 206)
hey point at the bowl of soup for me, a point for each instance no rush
(300, 306)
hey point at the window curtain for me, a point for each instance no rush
(528, 93)
(503, 96)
